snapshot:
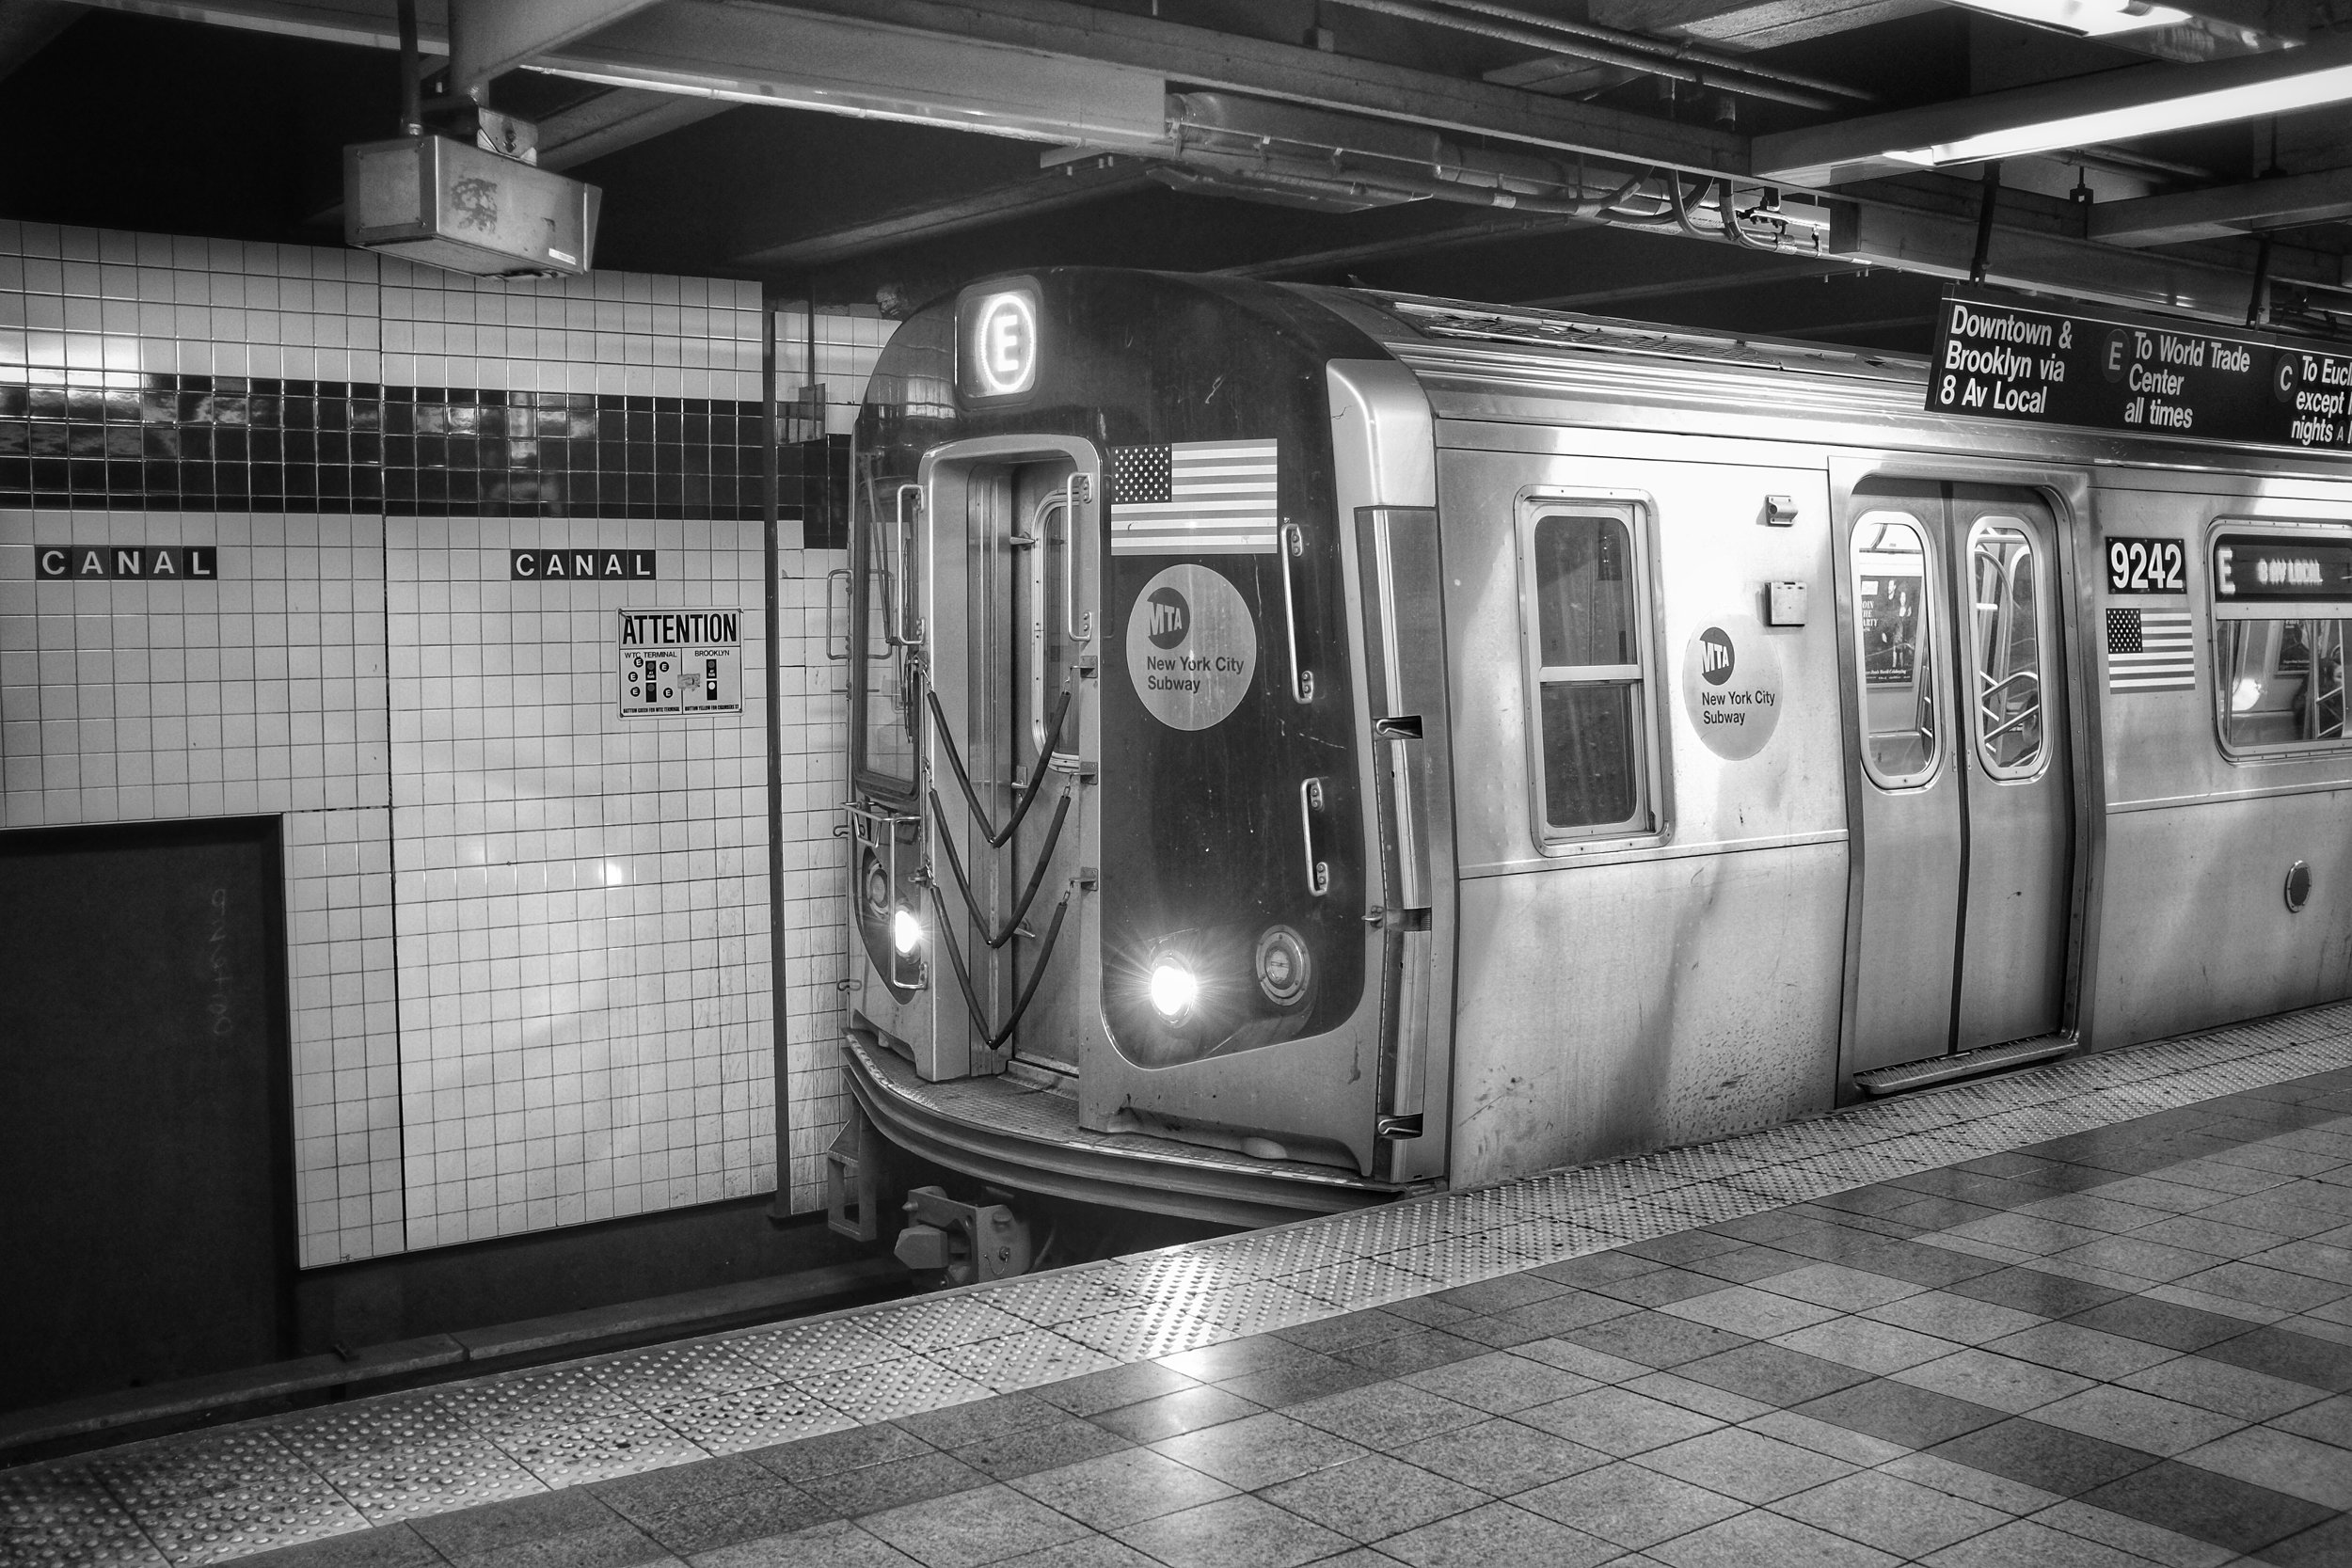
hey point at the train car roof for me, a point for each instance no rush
(1481, 361)
(1523, 326)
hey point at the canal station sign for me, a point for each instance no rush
(2001, 358)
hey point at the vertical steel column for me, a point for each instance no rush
(779, 995)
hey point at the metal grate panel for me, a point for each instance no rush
(62, 1517)
(754, 1418)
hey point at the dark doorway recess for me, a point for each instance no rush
(144, 1128)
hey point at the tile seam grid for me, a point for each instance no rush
(2265, 1063)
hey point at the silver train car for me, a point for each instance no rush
(1312, 745)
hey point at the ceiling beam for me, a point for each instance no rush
(490, 37)
(26, 27)
(615, 119)
(1942, 245)
(857, 65)
(371, 23)
(1049, 192)
(1047, 70)
(1749, 24)
(1201, 57)
(2224, 211)
(1850, 150)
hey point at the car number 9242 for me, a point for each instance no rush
(2146, 566)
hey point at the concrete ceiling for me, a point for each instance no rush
(1721, 163)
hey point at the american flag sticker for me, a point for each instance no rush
(2151, 650)
(1193, 498)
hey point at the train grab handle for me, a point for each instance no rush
(1293, 548)
(1075, 627)
(842, 574)
(1035, 542)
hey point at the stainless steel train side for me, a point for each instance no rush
(1800, 916)
(1733, 736)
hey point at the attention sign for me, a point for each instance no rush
(680, 661)
(2001, 359)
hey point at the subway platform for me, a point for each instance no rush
(2092, 1314)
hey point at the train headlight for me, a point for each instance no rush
(906, 932)
(1174, 989)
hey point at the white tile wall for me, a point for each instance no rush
(137, 701)
(527, 940)
(814, 702)
(342, 982)
(582, 897)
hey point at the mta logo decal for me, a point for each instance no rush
(1171, 618)
(1715, 655)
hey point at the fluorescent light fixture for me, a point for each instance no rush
(2091, 18)
(2250, 101)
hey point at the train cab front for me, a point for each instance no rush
(1142, 913)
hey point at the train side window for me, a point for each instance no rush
(1893, 604)
(2004, 629)
(886, 719)
(1587, 655)
(2281, 607)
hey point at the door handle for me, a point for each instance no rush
(1310, 806)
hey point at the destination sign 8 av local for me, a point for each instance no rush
(1998, 358)
(2267, 567)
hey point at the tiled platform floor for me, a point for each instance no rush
(2098, 1313)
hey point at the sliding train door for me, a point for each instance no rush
(1008, 747)
(1962, 789)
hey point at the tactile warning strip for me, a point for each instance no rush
(208, 1497)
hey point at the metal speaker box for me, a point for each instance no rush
(449, 204)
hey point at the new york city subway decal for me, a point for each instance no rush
(1998, 359)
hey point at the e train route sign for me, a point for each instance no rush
(675, 662)
(1999, 359)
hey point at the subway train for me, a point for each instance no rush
(1314, 745)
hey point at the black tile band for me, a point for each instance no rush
(262, 444)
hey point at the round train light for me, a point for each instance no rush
(876, 883)
(1174, 990)
(1000, 345)
(906, 932)
(1282, 964)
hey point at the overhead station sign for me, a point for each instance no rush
(1996, 358)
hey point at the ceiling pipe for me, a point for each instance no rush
(1665, 48)
(411, 72)
(1626, 51)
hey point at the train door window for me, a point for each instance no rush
(1586, 653)
(1893, 610)
(2280, 605)
(2005, 632)
(886, 717)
